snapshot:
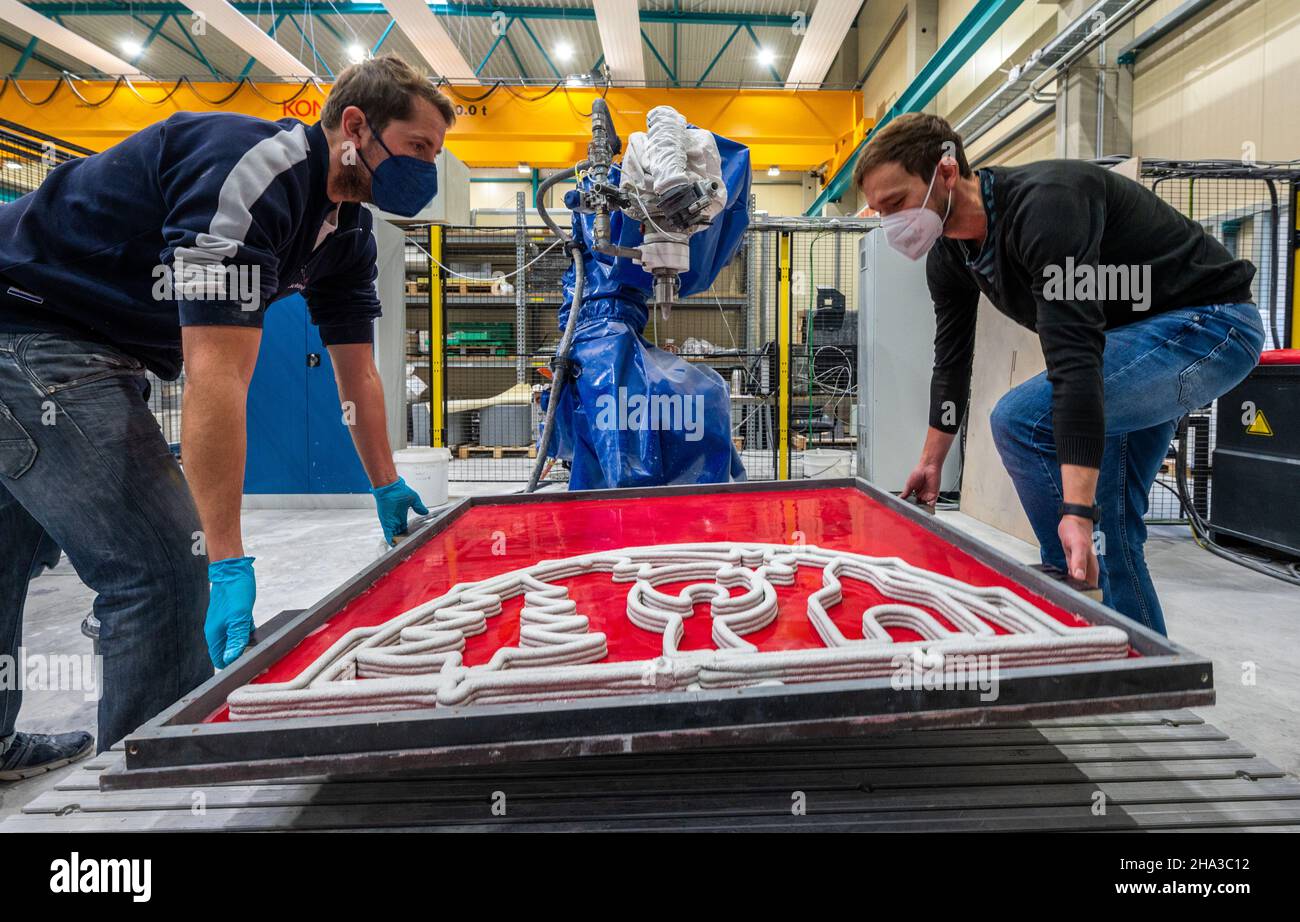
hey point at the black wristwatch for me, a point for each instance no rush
(1088, 512)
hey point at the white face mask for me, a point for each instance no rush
(913, 231)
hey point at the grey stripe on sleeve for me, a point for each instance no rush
(244, 185)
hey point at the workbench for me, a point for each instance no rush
(1157, 771)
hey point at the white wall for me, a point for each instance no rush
(890, 74)
(780, 199)
(1028, 28)
(1222, 87)
(1228, 80)
(1024, 30)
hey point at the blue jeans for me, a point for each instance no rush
(83, 463)
(1155, 371)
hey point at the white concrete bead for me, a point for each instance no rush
(414, 659)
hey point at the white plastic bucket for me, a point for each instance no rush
(425, 471)
(822, 463)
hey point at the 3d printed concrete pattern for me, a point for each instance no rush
(414, 660)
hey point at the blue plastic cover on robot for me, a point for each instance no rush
(638, 415)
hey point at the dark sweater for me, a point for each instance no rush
(1046, 220)
(93, 250)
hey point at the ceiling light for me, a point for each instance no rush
(13, 165)
(357, 54)
(563, 51)
(525, 169)
(774, 171)
(766, 56)
(131, 48)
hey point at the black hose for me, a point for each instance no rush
(566, 339)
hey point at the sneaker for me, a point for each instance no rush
(31, 754)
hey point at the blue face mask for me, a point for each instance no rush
(402, 185)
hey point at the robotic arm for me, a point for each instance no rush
(671, 182)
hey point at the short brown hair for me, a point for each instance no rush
(383, 88)
(915, 141)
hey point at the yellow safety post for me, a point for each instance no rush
(784, 340)
(437, 343)
(1295, 268)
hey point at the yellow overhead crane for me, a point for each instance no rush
(502, 126)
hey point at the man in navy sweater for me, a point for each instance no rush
(167, 249)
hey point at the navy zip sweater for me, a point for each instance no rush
(201, 219)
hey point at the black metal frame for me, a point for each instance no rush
(176, 747)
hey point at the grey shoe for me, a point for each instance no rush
(31, 754)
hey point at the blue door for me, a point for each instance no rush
(297, 440)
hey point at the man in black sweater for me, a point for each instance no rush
(1143, 317)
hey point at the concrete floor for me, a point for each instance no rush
(1216, 608)
(1247, 623)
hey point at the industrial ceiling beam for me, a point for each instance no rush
(153, 33)
(64, 39)
(29, 53)
(158, 30)
(427, 34)
(392, 24)
(312, 45)
(194, 46)
(275, 24)
(672, 74)
(241, 30)
(830, 23)
(758, 46)
(26, 56)
(485, 10)
(619, 23)
(523, 23)
(717, 57)
(495, 42)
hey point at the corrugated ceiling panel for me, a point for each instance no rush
(162, 58)
(582, 36)
(333, 34)
(739, 63)
(18, 38)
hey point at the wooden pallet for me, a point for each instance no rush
(491, 286)
(463, 452)
(1162, 771)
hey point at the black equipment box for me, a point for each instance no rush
(1256, 465)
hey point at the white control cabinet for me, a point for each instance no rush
(895, 356)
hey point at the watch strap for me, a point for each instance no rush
(1092, 512)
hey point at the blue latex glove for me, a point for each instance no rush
(395, 501)
(230, 609)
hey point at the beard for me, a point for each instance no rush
(354, 183)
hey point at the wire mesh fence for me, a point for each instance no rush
(824, 352)
(27, 157)
(502, 291)
(418, 313)
(1249, 208)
